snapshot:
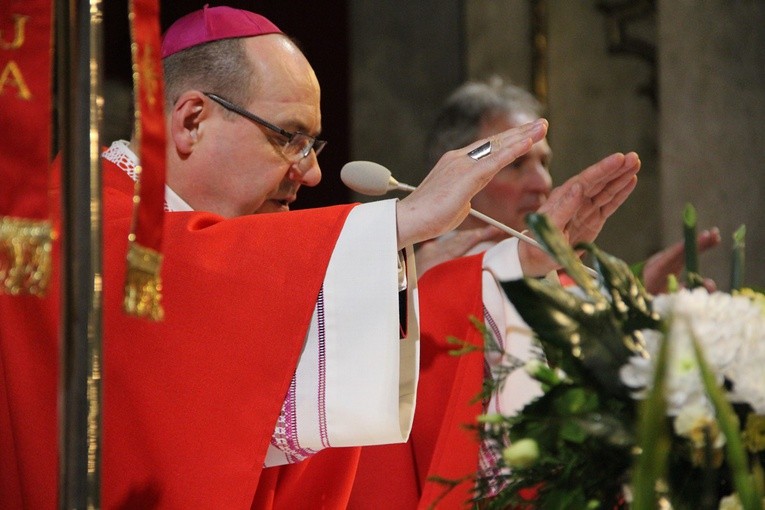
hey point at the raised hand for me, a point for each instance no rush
(442, 200)
(581, 205)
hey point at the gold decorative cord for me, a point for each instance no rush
(25, 255)
(143, 284)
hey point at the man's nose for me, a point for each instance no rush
(538, 177)
(307, 171)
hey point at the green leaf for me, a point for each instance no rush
(610, 427)
(588, 332)
(689, 215)
(566, 499)
(584, 331)
(558, 247)
(464, 347)
(637, 269)
(691, 250)
(576, 401)
(572, 432)
(630, 301)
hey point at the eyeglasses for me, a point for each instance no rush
(298, 144)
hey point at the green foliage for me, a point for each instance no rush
(588, 436)
(583, 423)
(588, 428)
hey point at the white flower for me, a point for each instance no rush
(731, 503)
(747, 370)
(691, 422)
(749, 385)
(731, 333)
(683, 382)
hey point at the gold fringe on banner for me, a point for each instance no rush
(25, 255)
(143, 284)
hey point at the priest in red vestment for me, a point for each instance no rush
(441, 444)
(273, 346)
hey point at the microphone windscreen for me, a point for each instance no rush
(366, 177)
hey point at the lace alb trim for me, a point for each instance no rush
(120, 154)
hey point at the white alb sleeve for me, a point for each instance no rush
(511, 334)
(356, 379)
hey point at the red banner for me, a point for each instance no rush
(25, 147)
(143, 285)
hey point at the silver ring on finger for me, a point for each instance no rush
(481, 151)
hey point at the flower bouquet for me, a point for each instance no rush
(649, 402)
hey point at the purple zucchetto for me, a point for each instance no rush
(212, 24)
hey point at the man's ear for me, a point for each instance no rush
(186, 119)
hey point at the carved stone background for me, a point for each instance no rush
(695, 117)
(712, 141)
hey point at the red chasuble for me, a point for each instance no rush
(397, 476)
(189, 403)
(322, 481)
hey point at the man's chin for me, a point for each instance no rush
(272, 206)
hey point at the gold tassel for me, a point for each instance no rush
(143, 284)
(25, 255)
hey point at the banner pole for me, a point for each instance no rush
(79, 43)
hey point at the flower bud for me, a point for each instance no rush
(521, 454)
(541, 372)
(490, 418)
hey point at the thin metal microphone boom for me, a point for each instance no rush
(481, 216)
(371, 178)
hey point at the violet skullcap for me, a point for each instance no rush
(212, 24)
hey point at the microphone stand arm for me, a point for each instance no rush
(400, 186)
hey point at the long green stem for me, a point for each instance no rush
(743, 480)
(653, 438)
(691, 251)
(737, 265)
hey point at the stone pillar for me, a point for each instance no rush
(712, 95)
(499, 40)
(405, 58)
(594, 98)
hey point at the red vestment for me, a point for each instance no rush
(323, 481)
(396, 476)
(190, 403)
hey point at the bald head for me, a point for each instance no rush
(220, 160)
(232, 155)
(280, 71)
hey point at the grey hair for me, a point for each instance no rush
(222, 67)
(469, 106)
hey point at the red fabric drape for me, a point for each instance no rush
(25, 146)
(189, 404)
(150, 133)
(397, 476)
(25, 107)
